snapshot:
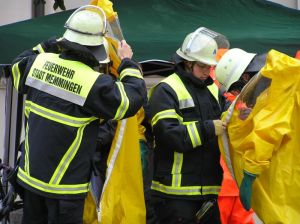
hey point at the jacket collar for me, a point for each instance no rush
(190, 78)
(77, 52)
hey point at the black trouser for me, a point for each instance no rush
(175, 211)
(41, 210)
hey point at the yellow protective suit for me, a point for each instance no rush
(267, 142)
(122, 200)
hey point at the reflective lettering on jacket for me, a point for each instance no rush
(68, 80)
(185, 101)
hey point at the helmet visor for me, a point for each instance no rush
(220, 39)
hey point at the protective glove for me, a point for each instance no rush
(244, 113)
(51, 45)
(246, 189)
(220, 126)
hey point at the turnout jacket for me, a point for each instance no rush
(186, 155)
(65, 100)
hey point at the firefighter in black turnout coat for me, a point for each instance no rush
(66, 98)
(185, 116)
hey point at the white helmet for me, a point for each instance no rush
(86, 26)
(231, 66)
(199, 47)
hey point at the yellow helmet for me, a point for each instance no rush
(86, 26)
(231, 66)
(200, 47)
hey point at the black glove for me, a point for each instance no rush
(51, 45)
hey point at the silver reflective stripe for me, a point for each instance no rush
(67, 158)
(58, 117)
(184, 98)
(124, 102)
(57, 189)
(194, 135)
(176, 170)
(186, 103)
(189, 190)
(60, 93)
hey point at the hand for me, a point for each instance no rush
(51, 45)
(246, 190)
(244, 113)
(124, 50)
(220, 126)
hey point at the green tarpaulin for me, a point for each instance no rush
(156, 28)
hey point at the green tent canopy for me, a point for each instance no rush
(156, 28)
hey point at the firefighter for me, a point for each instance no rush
(185, 111)
(65, 99)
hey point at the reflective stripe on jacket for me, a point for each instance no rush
(65, 99)
(186, 153)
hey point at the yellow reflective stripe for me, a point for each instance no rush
(16, 75)
(52, 188)
(171, 113)
(26, 160)
(27, 111)
(213, 88)
(56, 116)
(184, 98)
(124, 102)
(67, 158)
(38, 48)
(176, 169)
(131, 72)
(185, 190)
(193, 133)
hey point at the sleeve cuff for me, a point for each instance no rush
(209, 129)
(127, 63)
